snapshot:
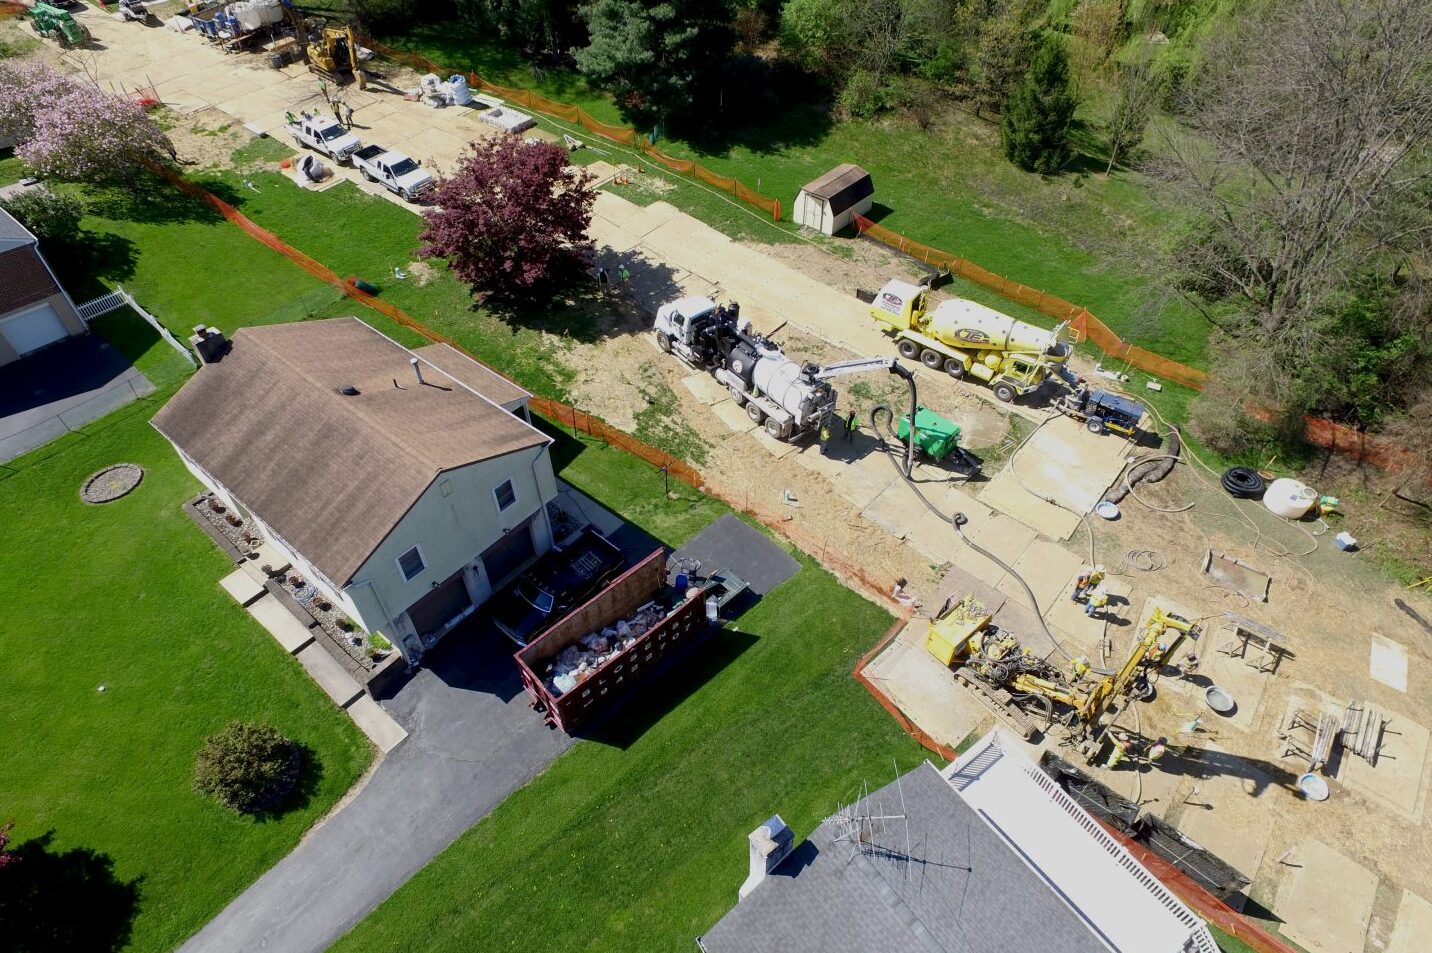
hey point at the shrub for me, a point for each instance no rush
(246, 767)
(53, 217)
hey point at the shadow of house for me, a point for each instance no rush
(64, 901)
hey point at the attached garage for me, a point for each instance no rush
(830, 202)
(33, 328)
(438, 609)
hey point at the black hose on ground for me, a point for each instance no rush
(1243, 482)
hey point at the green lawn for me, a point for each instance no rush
(637, 840)
(141, 344)
(125, 596)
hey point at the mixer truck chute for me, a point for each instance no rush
(963, 337)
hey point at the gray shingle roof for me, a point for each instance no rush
(960, 888)
(12, 233)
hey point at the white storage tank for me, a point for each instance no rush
(1290, 499)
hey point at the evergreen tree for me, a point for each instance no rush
(1036, 121)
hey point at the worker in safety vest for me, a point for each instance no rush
(1096, 600)
(850, 427)
(1088, 579)
(1158, 749)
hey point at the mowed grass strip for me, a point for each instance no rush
(126, 596)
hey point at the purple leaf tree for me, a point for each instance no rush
(513, 219)
(6, 858)
(69, 128)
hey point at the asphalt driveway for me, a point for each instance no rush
(472, 740)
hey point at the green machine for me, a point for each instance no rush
(56, 24)
(937, 439)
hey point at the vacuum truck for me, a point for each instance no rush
(785, 397)
(965, 338)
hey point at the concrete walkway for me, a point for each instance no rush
(472, 741)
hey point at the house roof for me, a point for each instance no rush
(937, 873)
(479, 377)
(24, 279)
(842, 187)
(329, 473)
(12, 233)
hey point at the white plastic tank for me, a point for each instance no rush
(779, 378)
(458, 91)
(967, 324)
(1290, 499)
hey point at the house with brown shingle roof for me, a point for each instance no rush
(406, 485)
(35, 311)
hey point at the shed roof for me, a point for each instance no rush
(842, 187)
(333, 474)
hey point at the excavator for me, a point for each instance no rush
(331, 52)
(1011, 678)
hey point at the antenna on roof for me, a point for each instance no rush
(856, 824)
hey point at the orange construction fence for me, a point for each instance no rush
(625, 135)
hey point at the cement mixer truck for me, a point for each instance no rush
(788, 399)
(965, 338)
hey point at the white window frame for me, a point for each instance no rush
(498, 502)
(398, 561)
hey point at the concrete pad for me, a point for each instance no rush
(901, 514)
(1228, 814)
(925, 690)
(291, 634)
(1068, 619)
(705, 388)
(1047, 568)
(1064, 462)
(776, 448)
(268, 556)
(1004, 493)
(860, 482)
(1326, 900)
(1413, 931)
(244, 588)
(812, 459)
(1397, 780)
(1005, 537)
(1388, 663)
(330, 676)
(733, 417)
(376, 723)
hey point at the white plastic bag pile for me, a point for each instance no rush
(576, 663)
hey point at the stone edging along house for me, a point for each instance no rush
(406, 485)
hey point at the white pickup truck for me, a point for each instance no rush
(324, 134)
(394, 171)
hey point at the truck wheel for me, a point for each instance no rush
(738, 397)
(931, 359)
(366, 174)
(955, 368)
(1095, 425)
(908, 349)
(1005, 393)
(663, 341)
(756, 414)
(776, 429)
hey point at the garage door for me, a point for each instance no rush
(31, 330)
(440, 606)
(508, 554)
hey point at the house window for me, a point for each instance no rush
(505, 495)
(411, 563)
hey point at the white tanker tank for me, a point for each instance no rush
(778, 393)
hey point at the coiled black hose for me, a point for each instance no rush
(1243, 483)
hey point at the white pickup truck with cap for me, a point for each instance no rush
(324, 134)
(394, 171)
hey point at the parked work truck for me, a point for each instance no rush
(394, 171)
(595, 654)
(789, 399)
(965, 338)
(323, 134)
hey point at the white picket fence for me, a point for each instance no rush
(119, 298)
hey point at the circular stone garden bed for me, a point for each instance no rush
(111, 483)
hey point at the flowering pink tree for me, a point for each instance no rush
(6, 858)
(71, 129)
(513, 218)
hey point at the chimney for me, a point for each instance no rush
(209, 343)
(417, 369)
(771, 843)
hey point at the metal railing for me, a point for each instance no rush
(119, 298)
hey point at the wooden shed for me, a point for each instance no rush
(828, 204)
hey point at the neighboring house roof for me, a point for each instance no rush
(24, 279)
(842, 187)
(484, 380)
(332, 474)
(12, 233)
(939, 871)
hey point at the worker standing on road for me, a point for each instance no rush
(851, 426)
(1097, 599)
(348, 115)
(824, 439)
(1088, 580)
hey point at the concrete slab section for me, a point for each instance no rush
(1326, 900)
(1004, 493)
(705, 388)
(1048, 569)
(244, 588)
(1005, 537)
(1069, 620)
(330, 676)
(291, 634)
(1064, 462)
(733, 417)
(377, 724)
(925, 690)
(1227, 814)
(1397, 779)
(860, 482)
(776, 448)
(1413, 931)
(1388, 663)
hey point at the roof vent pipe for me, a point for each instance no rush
(417, 369)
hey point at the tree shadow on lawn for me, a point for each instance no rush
(668, 685)
(587, 312)
(151, 200)
(64, 901)
(764, 108)
(91, 263)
